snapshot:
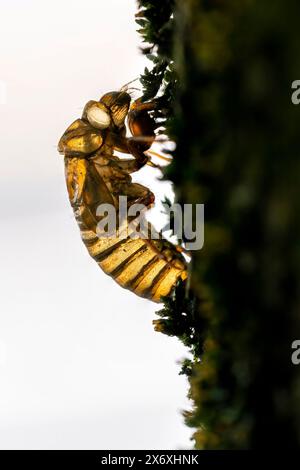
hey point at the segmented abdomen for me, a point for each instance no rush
(135, 264)
(149, 268)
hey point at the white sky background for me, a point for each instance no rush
(80, 364)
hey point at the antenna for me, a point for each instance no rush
(125, 87)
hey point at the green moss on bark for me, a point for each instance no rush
(223, 71)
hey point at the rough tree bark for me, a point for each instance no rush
(223, 71)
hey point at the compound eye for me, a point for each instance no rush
(98, 117)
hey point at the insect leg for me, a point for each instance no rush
(127, 145)
(137, 194)
(141, 124)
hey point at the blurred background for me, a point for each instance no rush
(80, 364)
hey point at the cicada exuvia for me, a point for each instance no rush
(95, 175)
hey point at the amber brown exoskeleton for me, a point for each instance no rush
(95, 175)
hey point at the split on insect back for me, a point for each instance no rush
(137, 258)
